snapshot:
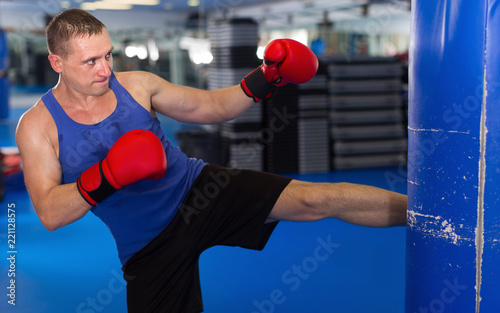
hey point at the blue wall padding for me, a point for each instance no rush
(4, 83)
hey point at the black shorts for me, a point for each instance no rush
(223, 207)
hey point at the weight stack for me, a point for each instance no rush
(367, 119)
(314, 142)
(234, 47)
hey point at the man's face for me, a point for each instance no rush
(87, 67)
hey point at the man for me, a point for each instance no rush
(93, 143)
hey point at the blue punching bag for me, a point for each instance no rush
(4, 82)
(453, 227)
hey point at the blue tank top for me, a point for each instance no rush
(139, 212)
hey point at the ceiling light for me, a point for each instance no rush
(193, 3)
(142, 52)
(154, 52)
(134, 2)
(91, 6)
(139, 51)
(198, 49)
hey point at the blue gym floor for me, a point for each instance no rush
(326, 266)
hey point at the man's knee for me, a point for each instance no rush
(316, 199)
(306, 201)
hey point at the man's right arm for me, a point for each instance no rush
(56, 204)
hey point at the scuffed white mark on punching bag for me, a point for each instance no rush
(480, 202)
(437, 227)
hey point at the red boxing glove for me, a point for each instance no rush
(285, 61)
(135, 156)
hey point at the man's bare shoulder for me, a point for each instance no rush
(35, 122)
(136, 78)
(37, 114)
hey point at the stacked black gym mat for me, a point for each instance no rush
(350, 115)
(297, 119)
(314, 143)
(366, 112)
(234, 47)
(281, 130)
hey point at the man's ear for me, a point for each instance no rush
(55, 62)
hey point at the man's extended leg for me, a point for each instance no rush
(353, 203)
